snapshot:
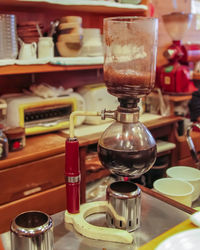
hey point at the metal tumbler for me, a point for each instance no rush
(32, 230)
(124, 205)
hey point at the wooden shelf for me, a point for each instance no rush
(27, 69)
(174, 98)
(180, 98)
(103, 7)
(37, 147)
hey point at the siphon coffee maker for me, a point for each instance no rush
(126, 147)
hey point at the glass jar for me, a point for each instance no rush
(16, 138)
(130, 55)
(3, 145)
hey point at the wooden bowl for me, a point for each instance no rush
(71, 38)
(71, 19)
(68, 49)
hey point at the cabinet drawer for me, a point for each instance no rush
(33, 177)
(50, 201)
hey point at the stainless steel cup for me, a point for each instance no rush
(32, 230)
(124, 205)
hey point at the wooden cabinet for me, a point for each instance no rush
(32, 177)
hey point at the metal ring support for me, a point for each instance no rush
(72, 179)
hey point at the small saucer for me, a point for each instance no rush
(33, 61)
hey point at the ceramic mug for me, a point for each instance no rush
(28, 51)
(45, 47)
(189, 174)
(176, 189)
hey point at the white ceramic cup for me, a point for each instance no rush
(176, 189)
(189, 174)
(45, 47)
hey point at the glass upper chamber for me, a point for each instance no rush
(130, 55)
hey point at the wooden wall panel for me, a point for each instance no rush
(70, 79)
(13, 83)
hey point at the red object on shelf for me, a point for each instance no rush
(72, 175)
(16, 145)
(174, 77)
(151, 9)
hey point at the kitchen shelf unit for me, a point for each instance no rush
(87, 9)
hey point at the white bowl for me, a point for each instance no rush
(189, 174)
(186, 240)
(176, 189)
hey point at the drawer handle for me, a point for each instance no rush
(32, 191)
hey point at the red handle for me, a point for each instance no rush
(73, 197)
(72, 175)
(72, 157)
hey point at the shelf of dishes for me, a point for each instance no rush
(11, 67)
(98, 6)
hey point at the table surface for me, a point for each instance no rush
(157, 217)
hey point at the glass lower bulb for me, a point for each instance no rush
(127, 150)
